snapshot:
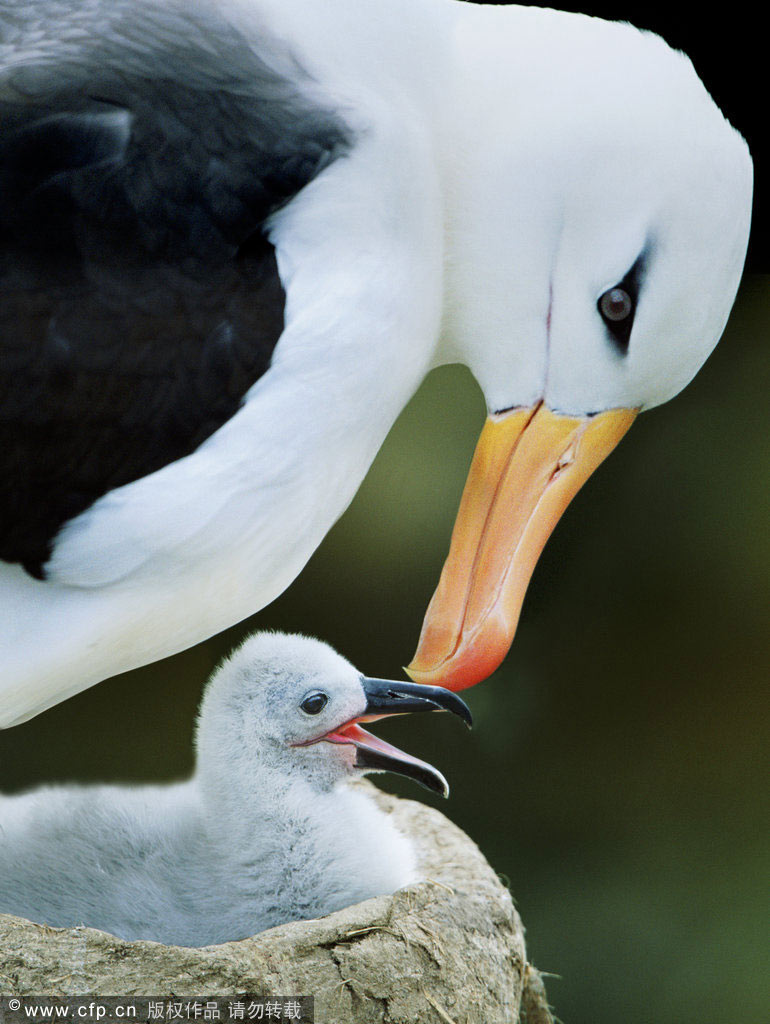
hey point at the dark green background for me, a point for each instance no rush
(618, 772)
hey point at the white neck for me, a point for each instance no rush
(314, 851)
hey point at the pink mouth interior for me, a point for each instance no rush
(353, 733)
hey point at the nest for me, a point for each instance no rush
(447, 951)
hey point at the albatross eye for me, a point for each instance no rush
(314, 703)
(616, 305)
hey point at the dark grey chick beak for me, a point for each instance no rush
(389, 697)
(385, 697)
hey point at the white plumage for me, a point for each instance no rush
(504, 170)
(267, 830)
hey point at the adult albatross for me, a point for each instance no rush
(236, 235)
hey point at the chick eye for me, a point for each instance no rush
(314, 703)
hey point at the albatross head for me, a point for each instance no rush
(599, 226)
(290, 706)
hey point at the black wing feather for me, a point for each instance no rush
(139, 296)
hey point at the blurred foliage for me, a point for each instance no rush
(618, 771)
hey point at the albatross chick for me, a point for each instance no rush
(267, 830)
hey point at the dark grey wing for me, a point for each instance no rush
(139, 295)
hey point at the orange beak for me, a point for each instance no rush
(527, 467)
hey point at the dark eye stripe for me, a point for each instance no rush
(617, 306)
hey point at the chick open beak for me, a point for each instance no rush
(386, 697)
(528, 465)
